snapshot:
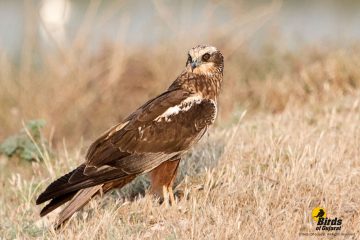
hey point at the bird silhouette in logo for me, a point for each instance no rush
(320, 214)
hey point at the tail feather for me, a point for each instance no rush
(80, 199)
(85, 195)
(57, 202)
(57, 185)
(63, 185)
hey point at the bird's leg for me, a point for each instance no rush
(165, 198)
(171, 195)
(162, 178)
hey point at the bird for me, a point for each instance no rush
(152, 140)
(320, 214)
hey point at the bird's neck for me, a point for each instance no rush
(208, 85)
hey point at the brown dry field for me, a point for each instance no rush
(259, 179)
(257, 175)
(287, 139)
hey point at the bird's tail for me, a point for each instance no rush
(77, 202)
(85, 195)
(77, 189)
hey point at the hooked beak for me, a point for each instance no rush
(194, 65)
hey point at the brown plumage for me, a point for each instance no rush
(151, 140)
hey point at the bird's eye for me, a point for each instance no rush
(205, 57)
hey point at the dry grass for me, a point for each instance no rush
(118, 76)
(271, 175)
(264, 82)
(74, 88)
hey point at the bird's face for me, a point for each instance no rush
(205, 60)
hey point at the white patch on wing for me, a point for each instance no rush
(141, 131)
(185, 105)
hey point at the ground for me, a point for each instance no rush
(259, 179)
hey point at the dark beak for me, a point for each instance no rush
(193, 66)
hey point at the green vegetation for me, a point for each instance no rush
(28, 144)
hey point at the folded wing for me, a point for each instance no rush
(163, 128)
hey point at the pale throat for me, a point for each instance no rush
(207, 69)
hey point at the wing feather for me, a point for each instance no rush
(162, 128)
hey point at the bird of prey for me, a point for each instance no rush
(151, 140)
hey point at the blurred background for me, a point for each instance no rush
(82, 66)
(70, 69)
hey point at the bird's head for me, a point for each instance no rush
(205, 60)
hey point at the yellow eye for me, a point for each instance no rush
(205, 57)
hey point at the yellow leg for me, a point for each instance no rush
(171, 195)
(162, 179)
